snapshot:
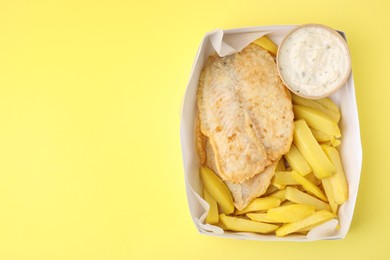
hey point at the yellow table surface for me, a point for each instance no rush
(90, 155)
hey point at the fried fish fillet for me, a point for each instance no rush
(245, 112)
(242, 193)
(245, 192)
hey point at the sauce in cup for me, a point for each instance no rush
(313, 61)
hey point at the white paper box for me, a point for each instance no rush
(226, 42)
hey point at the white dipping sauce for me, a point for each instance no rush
(313, 61)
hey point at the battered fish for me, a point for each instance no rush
(245, 192)
(245, 113)
(242, 193)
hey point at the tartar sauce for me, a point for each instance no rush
(313, 61)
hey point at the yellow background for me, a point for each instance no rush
(90, 156)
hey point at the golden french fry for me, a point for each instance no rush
(267, 44)
(320, 136)
(308, 228)
(290, 213)
(284, 178)
(309, 186)
(260, 204)
(315, 219)
(213, 215)
(221, 225)
(280, 167)
(329, 194)
(217, 189)
(328, 104)
(297, 196)
(334, 115)
(245, 225)
(317, 120)
(296, 160)
(338, 181)
(261, 217)
(311, 150)
(280, 194)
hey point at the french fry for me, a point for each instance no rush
(337, 227)
(315, 219)
(245, 225)
(308, 228)
(290, 213)
(260, 204)
(297, 196)
(338, 181)
(261, 217)
(217, 189)
(296, 160)
(283, 179)
(320, 136)
(309, 186)
(212, 216)
(221, 225)
(328, 104)
(280, 167)
(329, 194)
(317, 120)
(311, 150)
(267, 44)
(280, 194)
(334, 115)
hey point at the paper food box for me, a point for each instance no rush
(226, 42)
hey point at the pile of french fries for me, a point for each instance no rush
(309, 183)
